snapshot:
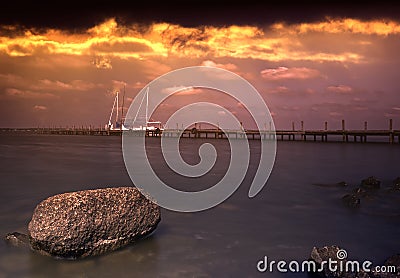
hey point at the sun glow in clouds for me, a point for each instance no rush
(315, 66)
(280, 42)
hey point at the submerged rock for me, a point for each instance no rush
(371, 183)
(342, 183)
(396, 184)
(17, 239)
(323, 254)
(91, 222)
(351, 200)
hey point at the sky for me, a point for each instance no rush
(62, 65)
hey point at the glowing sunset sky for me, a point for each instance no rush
(328, 69)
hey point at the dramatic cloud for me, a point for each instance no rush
(347, 25)
(289, 73)
(110, 40)
(312, 71)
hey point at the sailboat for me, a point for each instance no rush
(136, 126)
(119, 123)
(146, 124)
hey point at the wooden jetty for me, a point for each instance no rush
(343, 135)
(295, 135)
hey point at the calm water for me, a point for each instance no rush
(288, 218)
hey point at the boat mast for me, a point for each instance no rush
(147, 104)
(116, 118)
(122, 108)
(145, 95)
(112, 111)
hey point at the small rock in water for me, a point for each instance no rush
(91, 222)
(342, 183)
(396, 184)
(371, 183)
(351, 200)
(323, 254)
(17, 239)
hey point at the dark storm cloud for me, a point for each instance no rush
(75, 14)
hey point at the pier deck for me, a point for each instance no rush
(389, 136)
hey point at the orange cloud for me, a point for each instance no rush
(110, 40)
(341, 89)
(13, 92)
(346, 25)
(102, 63)
(181, 90)
(11, 79)
(229, 66)
(289, 73)
(74, 85)
(40, 108)
(118, 86)
(278, 90)
(86, 43)
(153, 68)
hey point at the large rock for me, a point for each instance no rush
(91, 222)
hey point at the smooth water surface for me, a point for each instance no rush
(292, 213)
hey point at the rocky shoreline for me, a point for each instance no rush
(368, 189)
